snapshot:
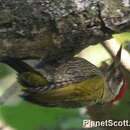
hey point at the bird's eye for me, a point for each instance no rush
(119, 77)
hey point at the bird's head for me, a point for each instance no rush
(116, 80)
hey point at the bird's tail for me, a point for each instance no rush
(27, 75)
(17, 64)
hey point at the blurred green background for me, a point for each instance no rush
(26, 116)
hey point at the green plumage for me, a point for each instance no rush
(74, 84)
(31, 79)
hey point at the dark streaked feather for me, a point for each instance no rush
(77, 69)
(17, 64)
(74, 71)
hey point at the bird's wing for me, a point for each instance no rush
(74, 71)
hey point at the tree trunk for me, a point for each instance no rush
(57, 30)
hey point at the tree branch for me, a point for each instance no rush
(57, 30)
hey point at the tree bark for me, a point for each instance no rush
(57, 30)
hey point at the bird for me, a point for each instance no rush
(75, 83)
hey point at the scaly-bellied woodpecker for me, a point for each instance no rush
(75, 83)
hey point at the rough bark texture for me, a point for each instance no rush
(57, 29)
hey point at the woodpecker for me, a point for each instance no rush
(75, 83)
